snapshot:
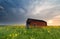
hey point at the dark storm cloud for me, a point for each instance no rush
(17, 11)
(12, 11)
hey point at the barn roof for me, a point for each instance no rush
(36, 20)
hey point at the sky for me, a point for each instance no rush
(18, 11)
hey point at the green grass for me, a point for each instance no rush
(17, 32)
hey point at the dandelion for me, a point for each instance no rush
(13, 35)
(16, 35)
(48, 31)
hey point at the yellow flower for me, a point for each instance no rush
(48, 31)
(13, 35)
(16, 35)
(10, 35)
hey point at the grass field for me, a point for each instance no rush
(18, 32)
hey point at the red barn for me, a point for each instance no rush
(35, 23)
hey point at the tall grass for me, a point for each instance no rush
(19, 32)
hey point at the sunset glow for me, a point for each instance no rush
(54, 21)
(50, 22)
